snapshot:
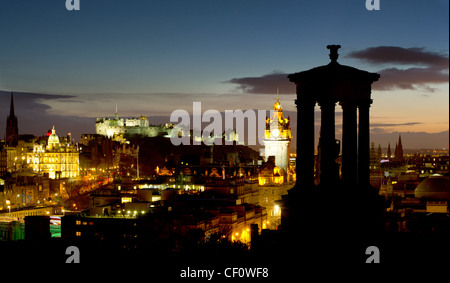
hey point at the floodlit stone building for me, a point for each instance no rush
(60, 159)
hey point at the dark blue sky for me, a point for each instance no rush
(152, 57)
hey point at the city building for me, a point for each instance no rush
(426, 165)
(25, 189)
(3, 159)
(423, 210)
(59, 158)
(98, 154)
(130, 215)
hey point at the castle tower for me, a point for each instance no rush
(277, 139)
(12, 128)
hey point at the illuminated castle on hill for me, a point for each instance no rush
(130, 126)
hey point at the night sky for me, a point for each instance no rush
(153, 57)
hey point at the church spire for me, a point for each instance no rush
(116, 115)
(399, 150)
(11, 109)
(12, 129)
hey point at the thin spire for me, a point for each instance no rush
(116, 116)
(11, 109)
(277, 105)
(12, 128)
(399, 152)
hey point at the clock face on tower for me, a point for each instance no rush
(275, 133)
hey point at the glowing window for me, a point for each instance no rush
(126, 199)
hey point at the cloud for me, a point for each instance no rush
(412, 78)
(401, 56)
(429, 67)
(266, 84)
(422, 69)
(32, 111)
(394, 124)
(31, 101)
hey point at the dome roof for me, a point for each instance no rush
(53, 139)
(433, 187)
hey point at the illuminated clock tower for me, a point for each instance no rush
(278, 137)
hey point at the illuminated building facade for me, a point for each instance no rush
(58, 159)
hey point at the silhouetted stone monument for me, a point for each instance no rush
(336, 212)
(328, 85)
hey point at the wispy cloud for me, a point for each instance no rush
(33, 112)
(423, 68)
(401, 56)
(395, 124)
(266, 84)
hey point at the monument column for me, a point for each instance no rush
(305, 140)
(364, 143)
(349, 143)
(327, 142)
